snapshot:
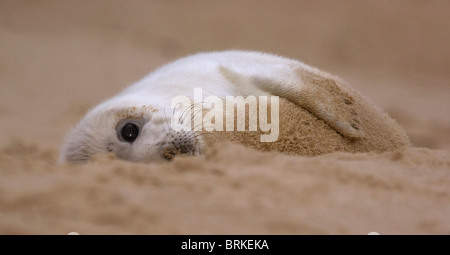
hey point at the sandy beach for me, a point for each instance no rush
(60, 58)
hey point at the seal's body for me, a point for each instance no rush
(319, 113)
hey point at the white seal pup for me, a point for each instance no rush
(135, 125)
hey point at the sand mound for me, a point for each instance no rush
(231, 190)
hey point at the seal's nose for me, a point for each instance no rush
(169, 152)
(177, 143)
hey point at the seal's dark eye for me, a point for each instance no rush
(130, 132)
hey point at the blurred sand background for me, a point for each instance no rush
(59, 58)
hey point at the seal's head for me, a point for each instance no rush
(132, 131)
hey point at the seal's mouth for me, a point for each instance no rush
(178, 144)
(168, 153)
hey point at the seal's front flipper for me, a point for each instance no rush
(322, 96)
(316, 91)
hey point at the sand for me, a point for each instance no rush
(59, 58)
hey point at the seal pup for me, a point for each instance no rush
(319, 113)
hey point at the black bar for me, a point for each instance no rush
(223, 244)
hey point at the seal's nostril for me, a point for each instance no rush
(169, 152)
